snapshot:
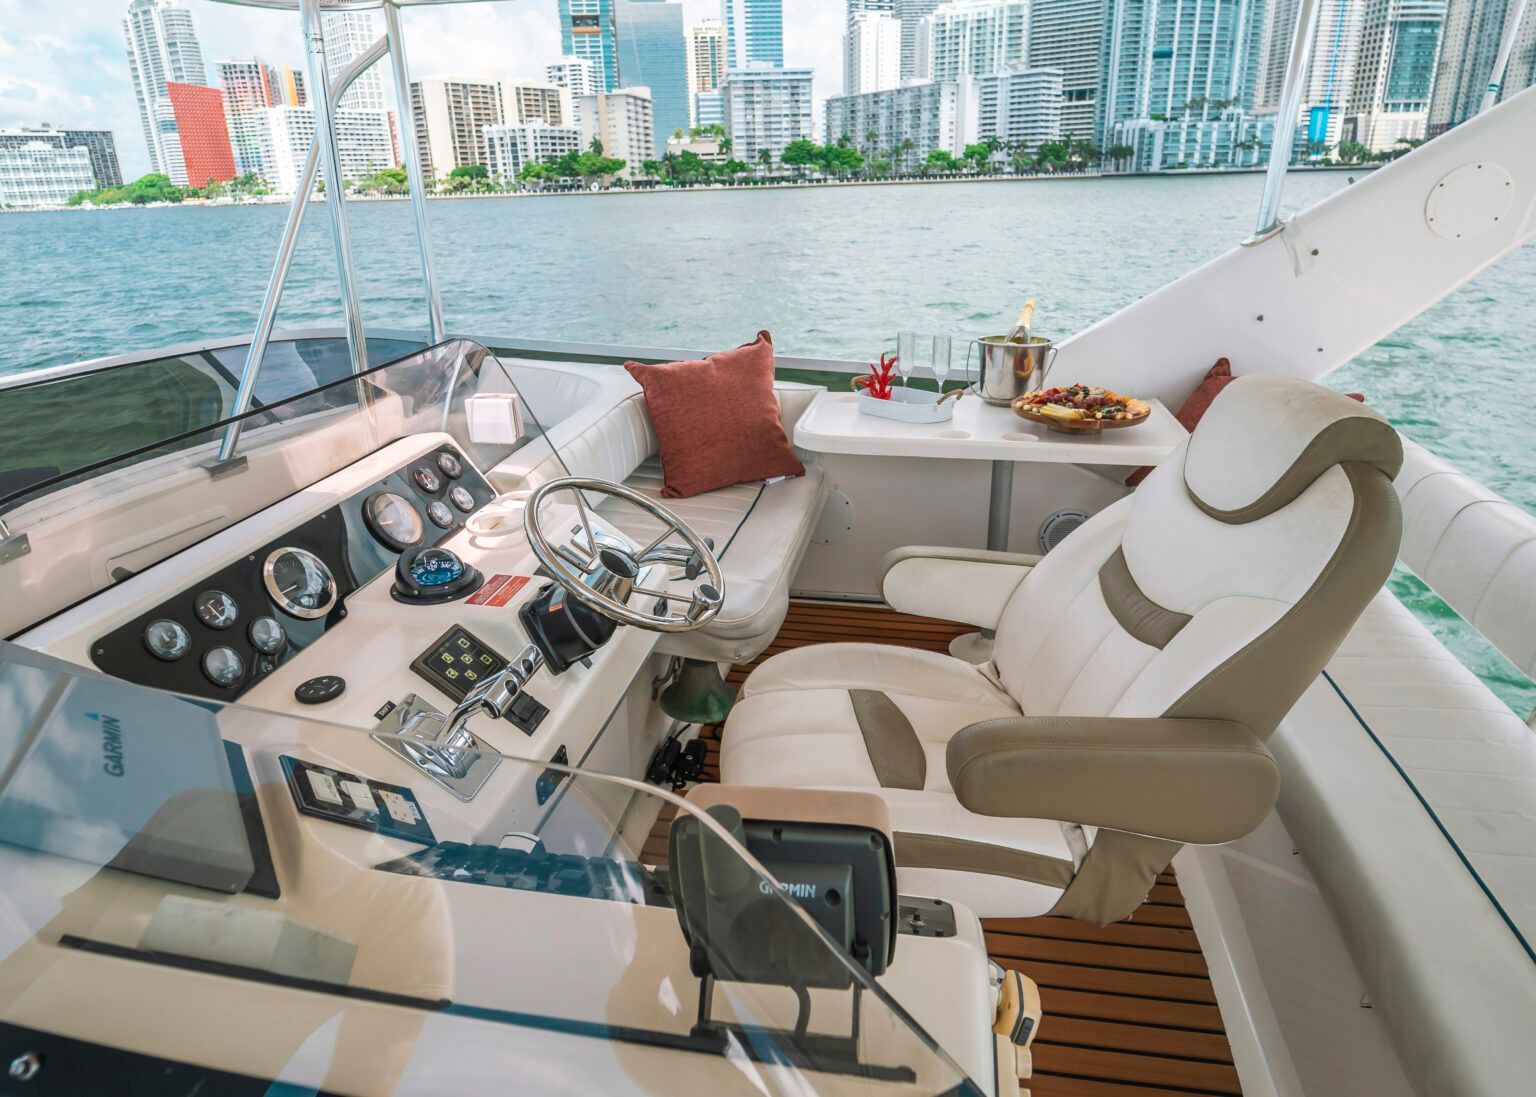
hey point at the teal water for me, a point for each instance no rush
(832, 272)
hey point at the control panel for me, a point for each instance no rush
(220, 636)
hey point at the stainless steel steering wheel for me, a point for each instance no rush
(603, 571)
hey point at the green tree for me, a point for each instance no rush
(1353, 152)
(765, 158)
(1052, 155)
(1119, 154)
(978, 154)
(735, 167)
(939, 160)
(801, 153)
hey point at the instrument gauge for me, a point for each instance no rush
(299, 583)
(440, 514)
(217, 609)
(426, 479)
(167, 640)
(224, 667)
(393, 520)
(268, 635)
(461, 498)
(449, 466)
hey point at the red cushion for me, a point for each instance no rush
(717, 419)
(1195, 406)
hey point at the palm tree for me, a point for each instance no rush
(596, 146)
(765, 158)
(907, 145)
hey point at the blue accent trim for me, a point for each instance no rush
(1508, 921)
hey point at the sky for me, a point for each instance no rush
(63, 61)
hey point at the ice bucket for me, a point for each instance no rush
(1009, 370)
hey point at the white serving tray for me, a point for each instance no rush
(909, 406)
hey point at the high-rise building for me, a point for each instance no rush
(621, 121)
(1018, 106)
(1473, 29)
(103, 149)
(754, 32)
(587, 31)
(971, 37)
(162, 46)
(41, 167)
(1067, 35)
(871, 52)
(706, 63)
(910, 14)
(1335, 51)
(450, 115)
(348, 34)
(1399, 45)
(1179, 77)
(709, 108)
(249, 86)
(365, 141)
(535, 101)
(577, 77)
(766, 107)
(653, 53)
(509, 148)
(206, 153)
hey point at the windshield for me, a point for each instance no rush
(172, 872)
(113, 471)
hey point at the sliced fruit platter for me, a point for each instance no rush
(1081, 409)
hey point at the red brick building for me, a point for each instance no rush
(205, 147)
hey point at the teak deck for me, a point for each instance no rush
(1129, 1008)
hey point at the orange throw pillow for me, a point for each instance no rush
(1216, 378)
(717, 419)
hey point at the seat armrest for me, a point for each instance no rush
(955, 584)
(1199, 781)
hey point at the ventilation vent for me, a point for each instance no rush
(1058, 525)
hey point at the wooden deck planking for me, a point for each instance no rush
(1129, 1008)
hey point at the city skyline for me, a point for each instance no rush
(81, 81)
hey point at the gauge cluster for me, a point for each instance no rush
(221, 636)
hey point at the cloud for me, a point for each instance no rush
(80, 79)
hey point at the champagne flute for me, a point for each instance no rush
(906, 357)
(939, 360)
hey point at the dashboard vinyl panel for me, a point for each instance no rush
(221, 659)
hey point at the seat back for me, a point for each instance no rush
(1221, 587)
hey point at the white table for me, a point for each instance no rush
(982, 432)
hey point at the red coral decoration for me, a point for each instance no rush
(877, 383)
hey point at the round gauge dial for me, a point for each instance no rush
(299, 582)
(167, 640)
(461, 498)
(224, 667)
(426, 479)
(440, 514)
(393, 520)
(436, 567)
(268, 635)
(449, 466)
(216, 609)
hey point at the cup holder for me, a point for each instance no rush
(1020, 436)
(953, 434)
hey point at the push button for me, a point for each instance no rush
(319, 690)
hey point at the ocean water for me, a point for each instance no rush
(831, 271)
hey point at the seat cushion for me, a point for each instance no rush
(861, 716)
(760, 532)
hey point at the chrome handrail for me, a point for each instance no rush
(1285, 121)
(411, 153)
(1501, 62)
(266, 318)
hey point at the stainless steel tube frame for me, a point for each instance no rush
(1285, 120)
(411, 152)
(267, 317)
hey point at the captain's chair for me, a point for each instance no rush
(1137, 671)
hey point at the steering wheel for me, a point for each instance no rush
(603, 572)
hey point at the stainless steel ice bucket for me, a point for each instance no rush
(1009, 370)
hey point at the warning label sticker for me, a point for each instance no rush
(498, 590)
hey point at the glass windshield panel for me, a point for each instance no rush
(457, 388)
(369, 932)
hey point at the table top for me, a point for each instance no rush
(982, 432)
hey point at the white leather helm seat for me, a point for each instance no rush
(1138, 668)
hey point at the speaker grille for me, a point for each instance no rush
(1057, 525)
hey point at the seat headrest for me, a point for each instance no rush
(1266, 437)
